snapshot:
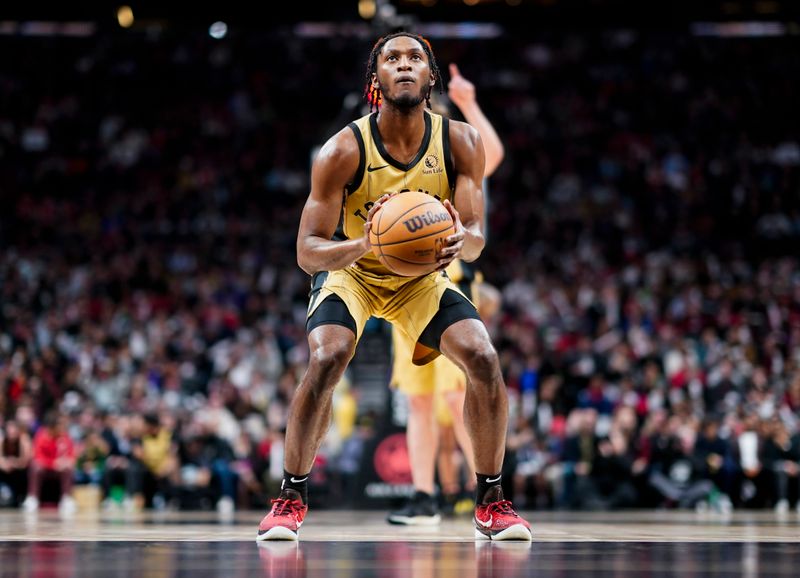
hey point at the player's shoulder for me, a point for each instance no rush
(460, 130)
(340, 147)
(465, 141)
(464, 136)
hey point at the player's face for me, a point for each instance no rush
(404, 73)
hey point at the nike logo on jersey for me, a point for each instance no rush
(370, 168)
(297, 480)
(497, 479)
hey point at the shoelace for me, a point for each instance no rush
(503, 507)
(281, 506)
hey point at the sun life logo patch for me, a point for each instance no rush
(432, 165)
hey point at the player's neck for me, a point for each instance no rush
(402, 127)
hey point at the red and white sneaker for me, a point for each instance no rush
(284, 519)
(498, 521)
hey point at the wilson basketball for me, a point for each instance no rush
(408, 230)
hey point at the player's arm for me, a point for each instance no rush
(462, 93)
(333, 168)
(468, 157)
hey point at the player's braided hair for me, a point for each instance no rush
(373, 93)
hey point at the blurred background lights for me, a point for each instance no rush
(367, 9)
(125, 16)
(218, 30)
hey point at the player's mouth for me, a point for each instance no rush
(404, 80)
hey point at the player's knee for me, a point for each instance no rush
(483, 362)
(330, 358)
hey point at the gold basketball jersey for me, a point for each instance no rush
(430, 171)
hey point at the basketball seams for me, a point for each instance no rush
(412, 240)
(378, 236)
(410, 262)
(431, 202)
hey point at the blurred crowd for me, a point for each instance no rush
(642, 230)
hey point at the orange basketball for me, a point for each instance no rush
(407, 231)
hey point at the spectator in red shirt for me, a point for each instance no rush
(53, 456)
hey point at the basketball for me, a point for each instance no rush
(408, 230)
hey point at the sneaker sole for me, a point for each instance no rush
(515, 532)
(278, 533)
(415, 520)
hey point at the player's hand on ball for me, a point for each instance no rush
(452, 243)
(368, 224)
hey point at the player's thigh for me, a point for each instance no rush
(454, 308)
(337, 298)
(423, 308)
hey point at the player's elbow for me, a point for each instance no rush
(309, 270)
(303, 260)
(305, 264)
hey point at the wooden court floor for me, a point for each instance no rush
(361, 544)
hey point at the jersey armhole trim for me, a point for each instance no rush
(448, 154)
(362, 156)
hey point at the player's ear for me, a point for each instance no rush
(374, 80)
(432, 81)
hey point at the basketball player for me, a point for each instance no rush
(436, 391)
(401, 146)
